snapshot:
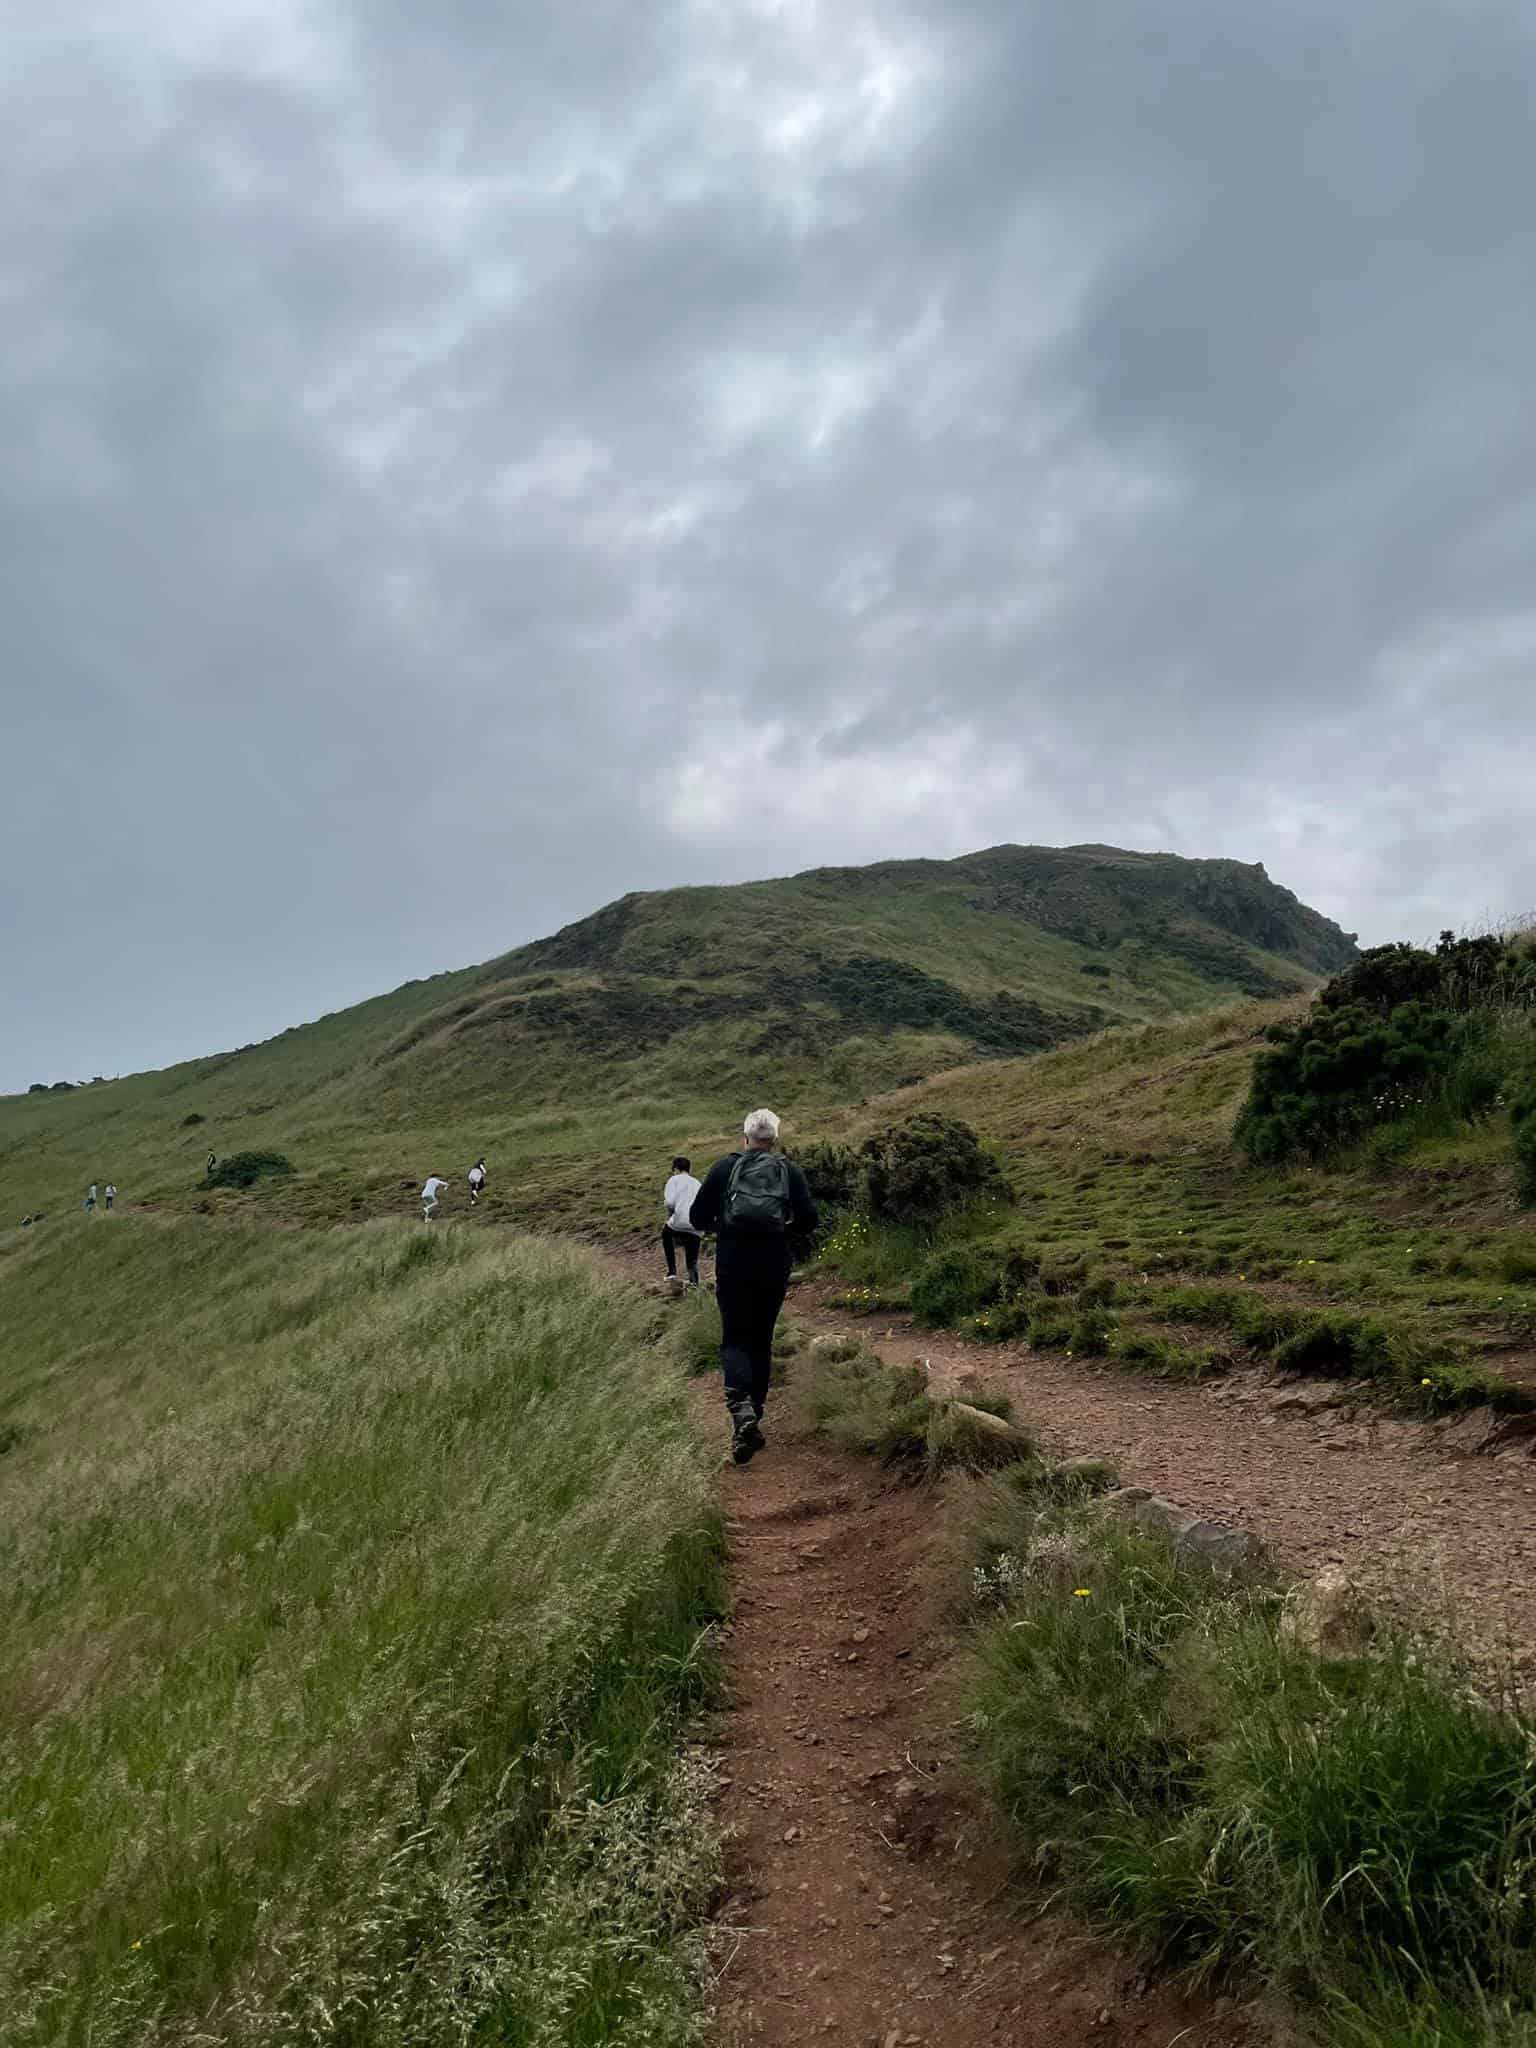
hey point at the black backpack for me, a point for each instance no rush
(757, 1194)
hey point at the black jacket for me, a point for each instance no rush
(709, 1202)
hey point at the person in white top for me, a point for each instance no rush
(90, 1197)
(433, 1187)
(678, 1229)
(111, 1193)
(476, 1181)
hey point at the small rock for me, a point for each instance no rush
(1329, 1616)
(861, 1635)
(1215, 1544)
(1305, 1401)
(1091, 1475)
(834, 1350)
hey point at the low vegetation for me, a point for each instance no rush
(1404, 1040)
(357, 1592)
(1138, 1233)
(1256, 1788)
(1181, 1757)
(244, 1169)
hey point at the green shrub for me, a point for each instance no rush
(1092, 1333)
(919, 1172)
(193, 1117)
(1400, 1034)
(1332, 1077)
(1522, 1118)
(244, 1169)
(956, 1283)
(1516, 1263)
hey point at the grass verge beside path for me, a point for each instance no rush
(1343, 1814)
(356, 1592)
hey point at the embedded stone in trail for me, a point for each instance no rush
(835, 1350)
(1192, 1535)
(1329, 1616)
(1306, 1400)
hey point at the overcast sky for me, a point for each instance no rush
(462, 461)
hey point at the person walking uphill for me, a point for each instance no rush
(679, 1228)
(751, 1200)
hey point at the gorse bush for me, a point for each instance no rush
(244, 1169)
(1523, 1120)
(834, 1174)
(912, 1176)
(1340, 1071)
(1402, 1031)
(923, 1170)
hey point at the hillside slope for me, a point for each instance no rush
(659, 1011)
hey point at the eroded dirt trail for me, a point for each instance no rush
(867, 1904)
(1417, 1512)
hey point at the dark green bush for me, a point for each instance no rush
(244, 1169)
(1092, 1333)
(834, 1174)
(196, 1117)
(1341, 1071)
(921, 1171)
(1522, 1117)
(956, 1283)
(1400, 1032)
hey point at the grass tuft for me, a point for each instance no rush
(1361, 1830)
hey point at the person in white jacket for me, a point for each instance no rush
(678, 1229)
(429, 1195)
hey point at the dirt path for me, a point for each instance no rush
(867, 1904)
(1410, 1509)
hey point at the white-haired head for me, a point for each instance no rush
(761, 1128)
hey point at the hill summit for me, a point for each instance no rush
(662, 1012)
(882, 972)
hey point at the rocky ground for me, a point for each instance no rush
(869, 1903)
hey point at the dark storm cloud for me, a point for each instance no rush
(447, 455)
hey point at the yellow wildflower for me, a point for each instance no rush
(1082, 1593)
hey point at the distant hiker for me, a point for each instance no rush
(476, 1181)
(679, 1227)
(110, 1193)
(752, 1200)
(212, 1161)
(90, 1197)
(431, 1190)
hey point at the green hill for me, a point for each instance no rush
(647, 1021)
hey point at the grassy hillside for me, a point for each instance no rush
(1120, 1153)
(352, 1587)
(641, 1028)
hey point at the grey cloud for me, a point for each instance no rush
(442, 451)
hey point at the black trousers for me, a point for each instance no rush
(750, 1284)
(689, 1240)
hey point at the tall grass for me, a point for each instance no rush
(1360, 1830)
(354, 1590)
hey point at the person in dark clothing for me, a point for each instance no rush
(752, 1200)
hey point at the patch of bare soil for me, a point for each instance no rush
(1437, 1517)
(868, 1904)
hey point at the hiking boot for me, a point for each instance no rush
(746, 1438)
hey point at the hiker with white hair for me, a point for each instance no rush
(751, 1200)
